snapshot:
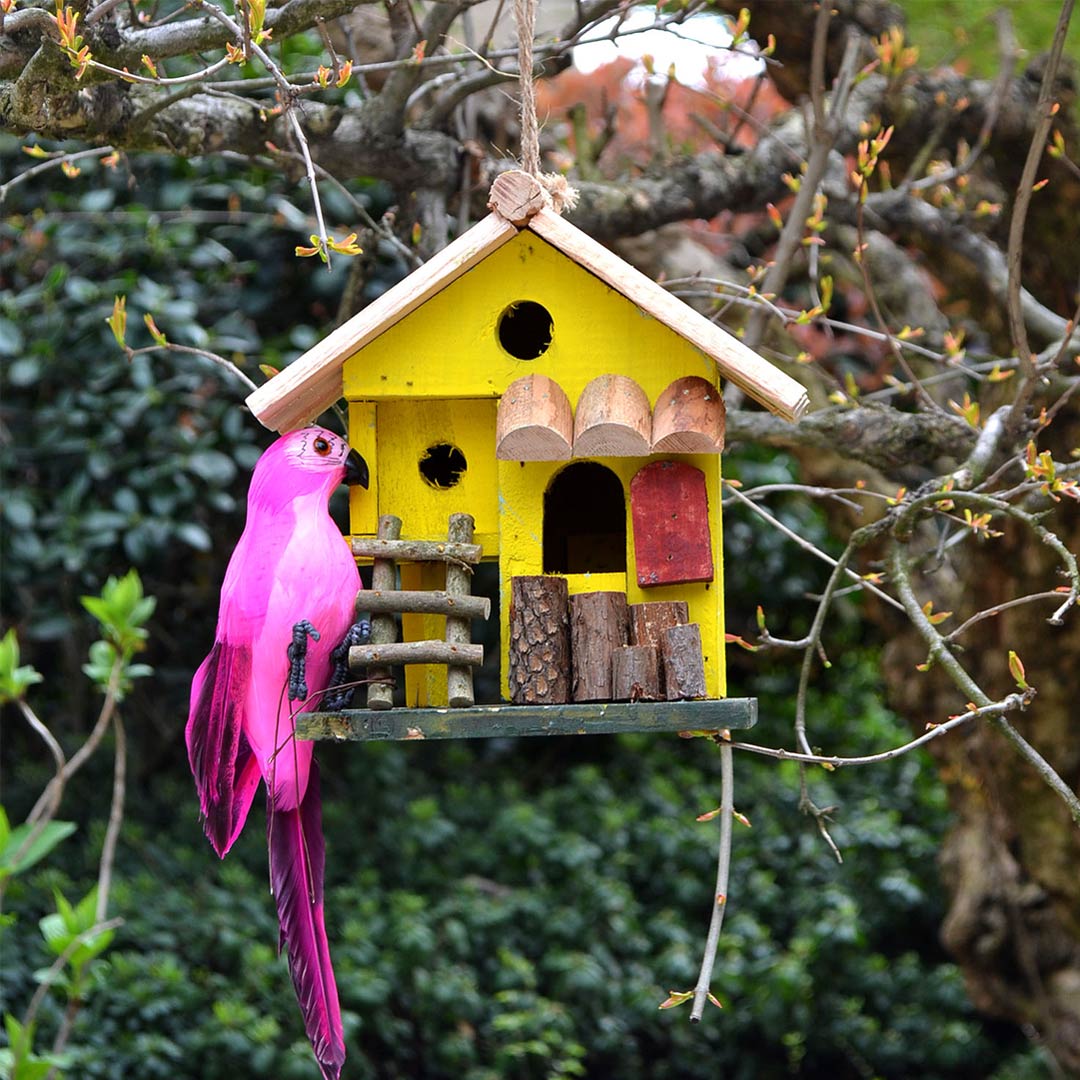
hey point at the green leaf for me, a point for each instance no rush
(11, 338)
(14, 679)
(16, 1033)
(55, 932)
(212, 466)
(121, 609)
(11, 862)
(68, 923)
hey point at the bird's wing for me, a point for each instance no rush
(225, 770)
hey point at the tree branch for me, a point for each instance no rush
(884, 438)
(899, 575)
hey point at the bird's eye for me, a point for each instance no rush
(322, 447)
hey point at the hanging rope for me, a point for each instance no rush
(525, 17)
(558, 190)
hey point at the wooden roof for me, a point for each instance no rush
(312, 383)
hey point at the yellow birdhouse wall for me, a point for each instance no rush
(521, 493)
(434, 379)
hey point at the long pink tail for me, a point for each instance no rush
(297, 861)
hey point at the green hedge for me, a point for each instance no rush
(513, 910)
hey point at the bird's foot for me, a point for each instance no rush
(335, 699)
(297, 653)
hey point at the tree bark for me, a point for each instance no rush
(599, 624)
(539, 641)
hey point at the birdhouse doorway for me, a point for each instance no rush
(585, 521)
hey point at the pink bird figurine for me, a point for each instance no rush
(291, 577)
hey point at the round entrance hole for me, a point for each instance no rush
(525, 329)
(442, 465)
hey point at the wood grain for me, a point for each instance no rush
(613, 419)
(689, 418)
(599, 624)
(539, 640)
(670, 511)
(535, 421)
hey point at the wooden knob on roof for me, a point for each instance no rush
(516, 196)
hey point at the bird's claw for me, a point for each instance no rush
(297, 653)
(357, 634)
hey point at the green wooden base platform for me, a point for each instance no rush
(508, 721)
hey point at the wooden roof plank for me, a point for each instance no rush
(312, 384)
(764, 382)
(302, 390)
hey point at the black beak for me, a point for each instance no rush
(356, 470)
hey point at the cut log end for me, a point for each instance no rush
(533, 442)
(611, 440)
(516, 196)
(535, 421)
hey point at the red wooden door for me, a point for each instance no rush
(670, 512)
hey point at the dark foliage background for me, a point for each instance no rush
(495, 911)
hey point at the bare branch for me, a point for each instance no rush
(720, 892)
(1044, 118)
(934, 731)
(899, 575)
(883, 438)
(807, 546)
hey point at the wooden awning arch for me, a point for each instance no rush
(536, 422)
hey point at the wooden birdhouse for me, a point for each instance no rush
(529, 378)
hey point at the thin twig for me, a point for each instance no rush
(1044, 119)
(899, 574)
(997, 609)
(811, 548)
(822, 139)
(288, 104)
(116, 819)
(54, 790)
(80, 757)
(222, 362)
(53, 163)
(934, 731)
(723, 865)
(60, 963)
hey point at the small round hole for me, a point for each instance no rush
(525, 329)
(442, 465)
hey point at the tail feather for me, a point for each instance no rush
(297, 861)
(225, 770)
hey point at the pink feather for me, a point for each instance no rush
(290, 564)
(297, 857)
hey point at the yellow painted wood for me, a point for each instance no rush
(425, 684)
(406, 429)
(311, 385)
(763, 381)
(579, 583)
(364, 504)
(521, 504)
(436, 376)
(449, 348)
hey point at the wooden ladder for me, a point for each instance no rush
(384, 600)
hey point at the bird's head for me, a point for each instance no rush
(311, 458)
